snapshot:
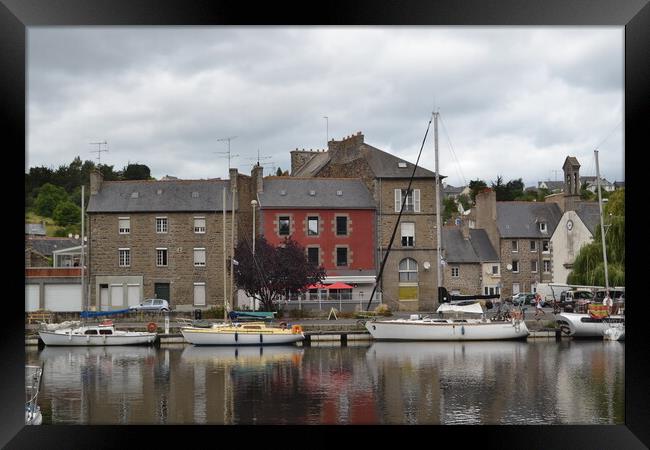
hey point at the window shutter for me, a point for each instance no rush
(398, 200)
(416, 200)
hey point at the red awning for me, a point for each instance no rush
(339, 285)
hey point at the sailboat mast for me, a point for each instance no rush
(602, 224)
(438, 221)
(83, 262)
(225, 279)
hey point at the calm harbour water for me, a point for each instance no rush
(534, 382)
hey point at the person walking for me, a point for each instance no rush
(538, 305)
(607, 301)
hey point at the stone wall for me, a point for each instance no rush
(468, 282)
(524, 255)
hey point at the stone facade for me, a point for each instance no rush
(525, 276)
(348, 161)
(467, 282)
(180, 242)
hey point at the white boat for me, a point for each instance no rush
(75, 333)
(585, 326)
(33, 377)
(427, 328)
(249, 333)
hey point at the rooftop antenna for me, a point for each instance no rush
(99, 150)
(259, 157)
(229, 138)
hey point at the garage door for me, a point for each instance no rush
(63, 297)
(32, 293)
(133, 293)
(117, 295)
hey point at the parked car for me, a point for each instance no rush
(523, 298)
(152, 305)
(572, 299)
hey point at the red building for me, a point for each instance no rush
(334, 219)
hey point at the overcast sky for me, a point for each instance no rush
(513, 101)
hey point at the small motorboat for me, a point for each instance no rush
(614, 332)
(249, 333)
(104, 333)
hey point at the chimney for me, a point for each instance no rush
(486, 215)
(233, 173)
(464, 228)
(257, 177)
(96, 179)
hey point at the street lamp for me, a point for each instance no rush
(253, 205)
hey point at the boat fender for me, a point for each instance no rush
(296, 329)
(236, 336)
(261, 339)
(152, 327)
(462, 330)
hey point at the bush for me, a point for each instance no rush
(213, 313)
(383, 310)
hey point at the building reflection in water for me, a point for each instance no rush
(381, 383)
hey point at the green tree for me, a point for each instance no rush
(274, 271)
(67, 213)
(476, 186)
(278, 172)
(49, 196)
(449, 209)
(136, 172)
(464, 200)
(542, 193)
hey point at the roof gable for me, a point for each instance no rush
(334, 193)
(521, 219)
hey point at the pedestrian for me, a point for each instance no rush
(607, 301)
(538, 305)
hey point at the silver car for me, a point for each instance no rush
(152, 304)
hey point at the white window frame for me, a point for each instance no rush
(126, 259)
(548, 246)
(408, 231)
(533, 261)
(309, 230)
(515, 262)
(455, 271)
(518, 290)
(408, 270)
(497, 271)
(197, 251)
(515, 248)
(533, 246)
(123, 230)
(197, 228)
(162, 225)
(543, 227)
(546, 263)
(159, 254)
(205, 295)
(280, 218)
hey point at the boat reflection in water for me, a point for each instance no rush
(243, 356)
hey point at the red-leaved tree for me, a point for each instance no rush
(274, 271)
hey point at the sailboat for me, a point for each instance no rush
(231, 332)
(74, 333)
(466, 319)
(595, 324)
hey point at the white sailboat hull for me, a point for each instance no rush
(422, 330)
(208, 336)
(583, 326)
(71, 339)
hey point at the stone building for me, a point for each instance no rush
(521, 232)
(164, 239)
(409, 277)
(470, 260)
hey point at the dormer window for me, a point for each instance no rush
(283, 192)
(339, 193)
(195, 194)
(134, 195)
(401, 165)
(542, 227)
(312, 193)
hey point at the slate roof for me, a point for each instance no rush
(355, 195)
(476, 249)
(383, 164)
(35, 229)
(552, 185)
(589, 213)
(45, 246)
(161, 196)
(482, 245)
(520, 219)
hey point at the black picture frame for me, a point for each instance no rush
(634, 15)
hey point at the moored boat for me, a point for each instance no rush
(249, 333)
(426, 328)
(585, 325)
(75, 333)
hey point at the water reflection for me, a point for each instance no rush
(383, 383)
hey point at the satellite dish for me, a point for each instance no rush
(509, 267)
(427, 265)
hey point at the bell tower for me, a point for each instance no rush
(571, 170)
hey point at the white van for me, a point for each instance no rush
(550, 291)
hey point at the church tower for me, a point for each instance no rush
(571, 169)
